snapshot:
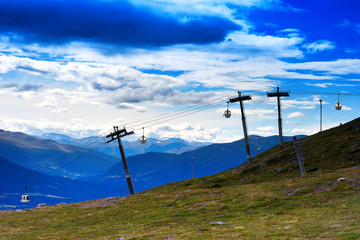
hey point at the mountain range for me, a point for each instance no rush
(169, 145)
(51, 168)
(153, 169)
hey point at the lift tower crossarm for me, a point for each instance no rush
(279, 94)
(240, 99)
(121, 133)
(118, 134)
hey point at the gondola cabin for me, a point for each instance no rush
(338, 106)
(227, 113)
(142, 138)
(25, 197)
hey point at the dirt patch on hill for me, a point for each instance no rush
(291, 191)
(309, 190)
(200, 205)
(106, 202)
(322, 188)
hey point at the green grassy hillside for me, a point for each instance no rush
(267, 200)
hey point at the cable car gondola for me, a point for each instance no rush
(25, 197)
(338, 105)
(227, 113)
(142, 138)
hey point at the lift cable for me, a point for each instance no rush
(182, 115)
(156, 121)
(170, 114)
(316, 108)
(97, 139)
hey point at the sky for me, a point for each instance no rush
(79, 67)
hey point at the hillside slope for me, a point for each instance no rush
(266, 200)
(153, 169)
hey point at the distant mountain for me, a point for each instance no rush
(170, 145)
(153, 169)
(53, 158)
(46, 189)
(25, 161)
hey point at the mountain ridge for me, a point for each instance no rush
(168, 145)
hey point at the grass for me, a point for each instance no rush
(267, 200)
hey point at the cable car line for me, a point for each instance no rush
(180, 114)
(304, 119)
(156, 121)
(97, 139)
(169, 115)
(183, 115)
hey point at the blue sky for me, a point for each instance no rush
(79, 67)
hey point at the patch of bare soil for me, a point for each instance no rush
(354, 184)
(322, 188)
(291, 191)
(106, 202)
(200, 205)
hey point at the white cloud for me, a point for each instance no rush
(257, 113)
(129, 106)
(337, 67)
(346, 23)
(302, 104)
(304, 131)
(263, 45)
(325, 85)
(266, 128)
(37, 127)
(319, 46)
(346, 108)
(190, 132)
(295, 115)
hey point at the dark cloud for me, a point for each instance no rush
(21, 87)
(143, 95)
(31, 69)
(8, 85)
(100, 87)
(166, 128)
(114, 22)
(158, 94)
(28, 87)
